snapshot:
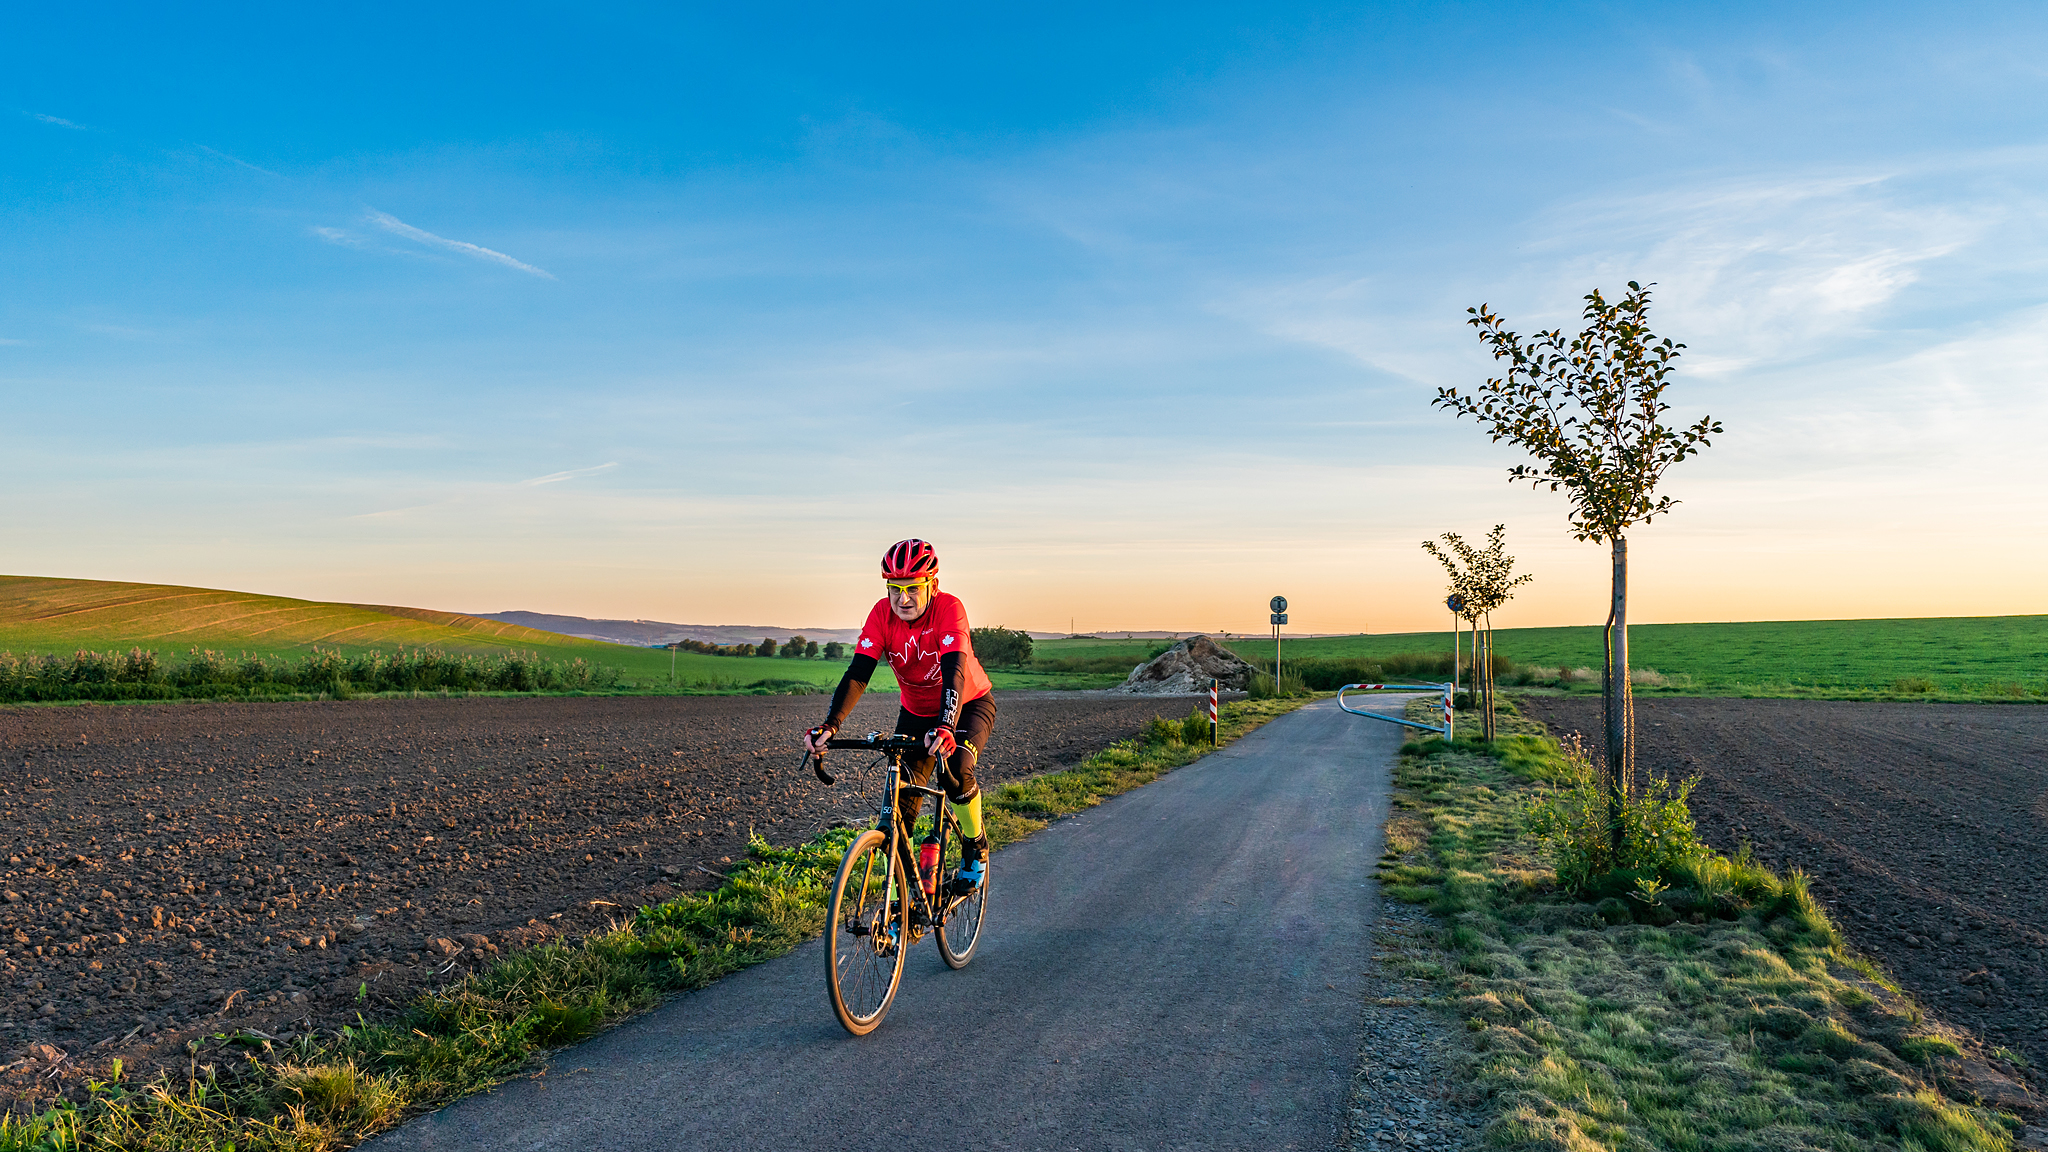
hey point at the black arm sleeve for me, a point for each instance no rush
(950, 677)
(849, 691)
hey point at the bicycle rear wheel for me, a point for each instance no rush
(864, 935)
(959, 928)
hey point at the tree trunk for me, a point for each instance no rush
(1620, 710)
(1486, 679)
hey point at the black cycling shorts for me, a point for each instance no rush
(977, 722)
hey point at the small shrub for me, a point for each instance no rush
(1571, 825)
(1160, 730)
(1263, 688)
(1195, 729)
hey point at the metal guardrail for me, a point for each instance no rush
(1443, 730)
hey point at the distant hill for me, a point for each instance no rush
(648, 633)
(53, 614)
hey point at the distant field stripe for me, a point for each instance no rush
(305, 617)
(370, 626)
(101, 606)
(223, 621)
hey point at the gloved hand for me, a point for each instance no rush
(814, 740)
(939, 741)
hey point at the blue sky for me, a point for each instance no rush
(1135, 311)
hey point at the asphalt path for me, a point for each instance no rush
(1179, 968)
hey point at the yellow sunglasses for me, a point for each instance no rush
(907, 587)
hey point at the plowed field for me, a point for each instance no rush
(1923, 826)
(172, 869)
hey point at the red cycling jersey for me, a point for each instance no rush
(913, 649)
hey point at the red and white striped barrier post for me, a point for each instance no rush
(1212, 712)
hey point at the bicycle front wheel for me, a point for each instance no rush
(959, 928)
(864, 936)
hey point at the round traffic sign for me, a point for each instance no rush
(1455, 603)
(1279, 603)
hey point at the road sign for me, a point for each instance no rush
(1455, 603)
(1279, 617)
(1279, 603)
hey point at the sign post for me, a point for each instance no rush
(1456, 604)
(1279, 605)
(1212, 711)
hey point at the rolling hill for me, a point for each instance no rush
(50, 614)
(43, 614)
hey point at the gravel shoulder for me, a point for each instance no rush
(176, 869)
(1923, 826)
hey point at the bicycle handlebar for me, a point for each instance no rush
(872, 742)
(877, 742)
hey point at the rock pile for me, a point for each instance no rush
(1187, 667)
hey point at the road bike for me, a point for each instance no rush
(886, 896)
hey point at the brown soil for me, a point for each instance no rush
(1924, 828)
(174, 869)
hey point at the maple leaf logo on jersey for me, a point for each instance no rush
(866, 643)
(946, 639)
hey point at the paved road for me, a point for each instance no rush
(1176, 969)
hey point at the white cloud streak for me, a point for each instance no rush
(215, 152)
(397, 227)
(571, 474)
(59, 121)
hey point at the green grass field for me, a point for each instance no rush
(42, 614)
(1975, 657)
(1966, 656)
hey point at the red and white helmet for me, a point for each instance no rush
(909, 560)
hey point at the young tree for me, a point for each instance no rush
(794, 646)
(766, 647)
(835, 651)
(1484, 582)
(811, 650)
(1590, 409)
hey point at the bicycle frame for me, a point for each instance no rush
(900, 848)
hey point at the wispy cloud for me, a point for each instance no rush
(1764, 269)
(5, 340)
(571, 474)
(397, 227)
(215, 152)
(337, 236)
(59, 121)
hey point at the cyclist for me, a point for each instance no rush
(923, 633)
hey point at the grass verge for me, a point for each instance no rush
(1721, 1013)
(242, 1092)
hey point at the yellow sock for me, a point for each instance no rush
(969, 816)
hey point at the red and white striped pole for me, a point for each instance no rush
(1212, 712)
